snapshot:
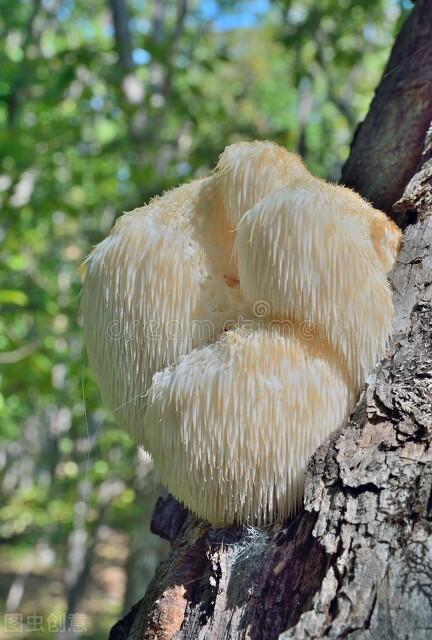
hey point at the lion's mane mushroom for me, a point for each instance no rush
(229, 405)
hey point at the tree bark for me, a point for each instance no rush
(356, 562)
(387, 146)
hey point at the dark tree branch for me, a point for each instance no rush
(387, 146)
(120, 16)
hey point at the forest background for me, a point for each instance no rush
(104, 104)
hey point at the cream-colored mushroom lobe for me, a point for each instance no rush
(307, 251)
(232, 425)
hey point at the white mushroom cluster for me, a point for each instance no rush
(231, 323)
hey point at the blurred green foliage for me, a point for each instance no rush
(94, 121)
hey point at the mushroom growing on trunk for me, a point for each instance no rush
(231, 323)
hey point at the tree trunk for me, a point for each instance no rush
(356, 562)
(387, 146)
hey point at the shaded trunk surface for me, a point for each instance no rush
(387, 146)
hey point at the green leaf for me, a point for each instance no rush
(13, 296)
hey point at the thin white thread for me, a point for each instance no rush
(87, 464)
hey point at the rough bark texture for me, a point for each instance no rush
(356, 562)
(387, 146)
